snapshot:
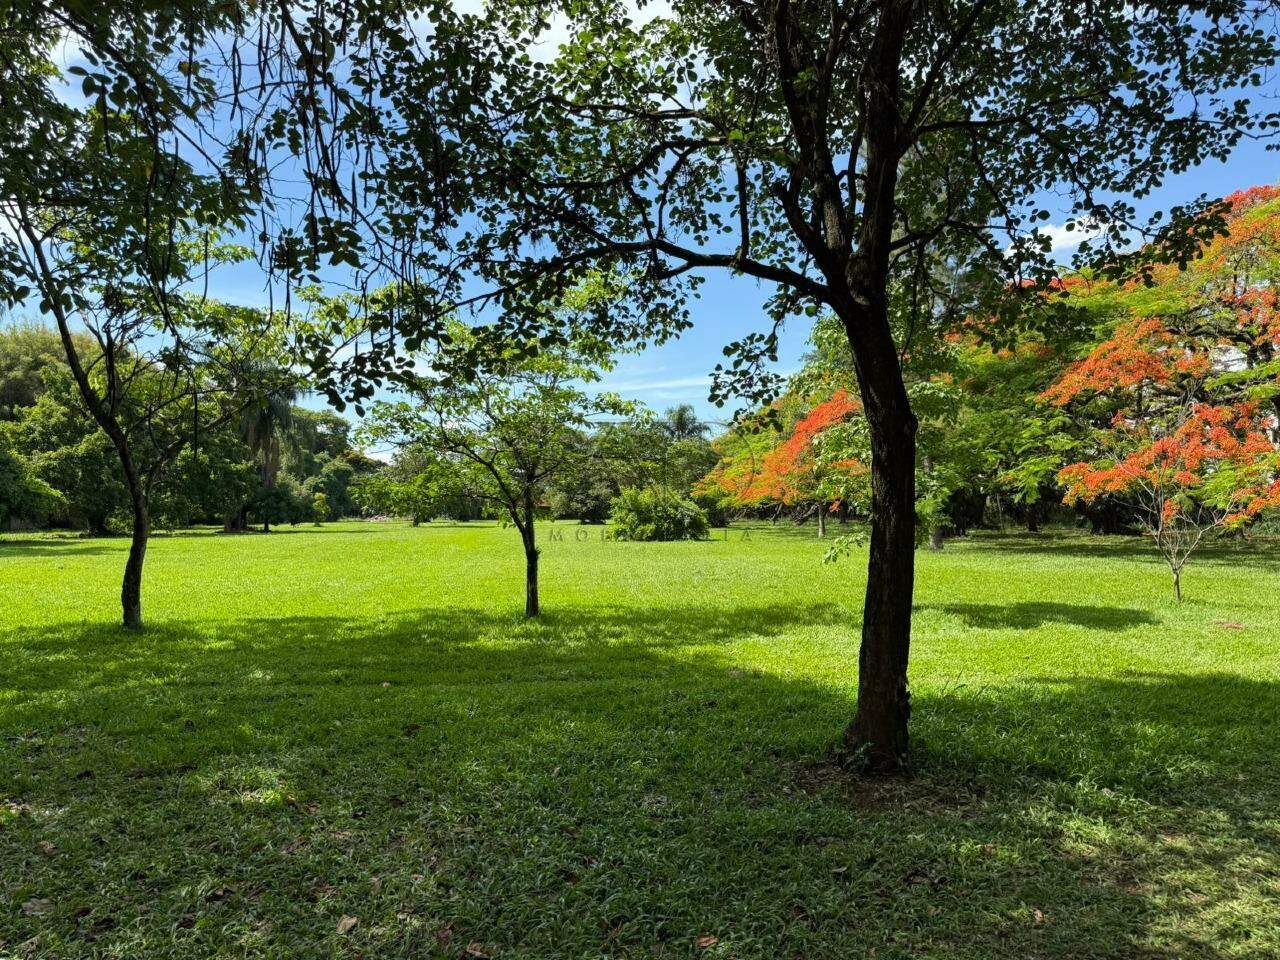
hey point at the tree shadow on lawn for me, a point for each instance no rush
(456, 779)
(13, 549)
(1256, 551)
(84, 544)
(1030, 615)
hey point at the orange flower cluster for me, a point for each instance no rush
(1140, 351)
(1243, 200)
(788, 473)
(1224, 441)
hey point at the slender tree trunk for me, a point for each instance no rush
(237, 522)
(131, 589)
(1177, 584)
(1033, 518)
(532, 608)
(935, 532)
(531, 605)
(822, 520)
(842, 513)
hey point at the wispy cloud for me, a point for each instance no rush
(648, 386)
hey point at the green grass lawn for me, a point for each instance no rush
(354, 722)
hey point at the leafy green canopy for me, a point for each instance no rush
(818, 147)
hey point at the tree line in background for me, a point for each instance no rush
(271, 462)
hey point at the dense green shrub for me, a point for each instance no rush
(657, 513)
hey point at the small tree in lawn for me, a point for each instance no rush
(509, 423)
(418, 484)
(1175, 430)
(1205, 470)
(319, 508)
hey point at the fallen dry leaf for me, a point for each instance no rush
(37, 907)
(476, 949)
(346, 925)
(707, 940)
(1229, 624)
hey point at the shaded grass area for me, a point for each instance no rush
(354, 722)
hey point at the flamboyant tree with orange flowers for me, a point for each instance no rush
(1178, 432)
(1207, 469)
(795, 467)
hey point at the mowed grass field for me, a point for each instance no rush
(344, 742)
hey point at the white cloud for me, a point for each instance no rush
(1060, 238)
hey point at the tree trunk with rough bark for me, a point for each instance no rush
(936, 541)
(531, 606)
(877, 738)
(822, 521)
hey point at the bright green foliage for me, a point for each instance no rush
(319, 508)
(418, 484)
(27, 350)
(67, 451)
(657, 513)
(24, 497)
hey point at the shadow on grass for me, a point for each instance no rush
(83, 544)
(62, 546)
(591, 785)
(1256, 551)
(1030, 615)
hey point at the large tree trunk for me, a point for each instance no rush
(822, 520)
(877, 737)
(131, 589)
